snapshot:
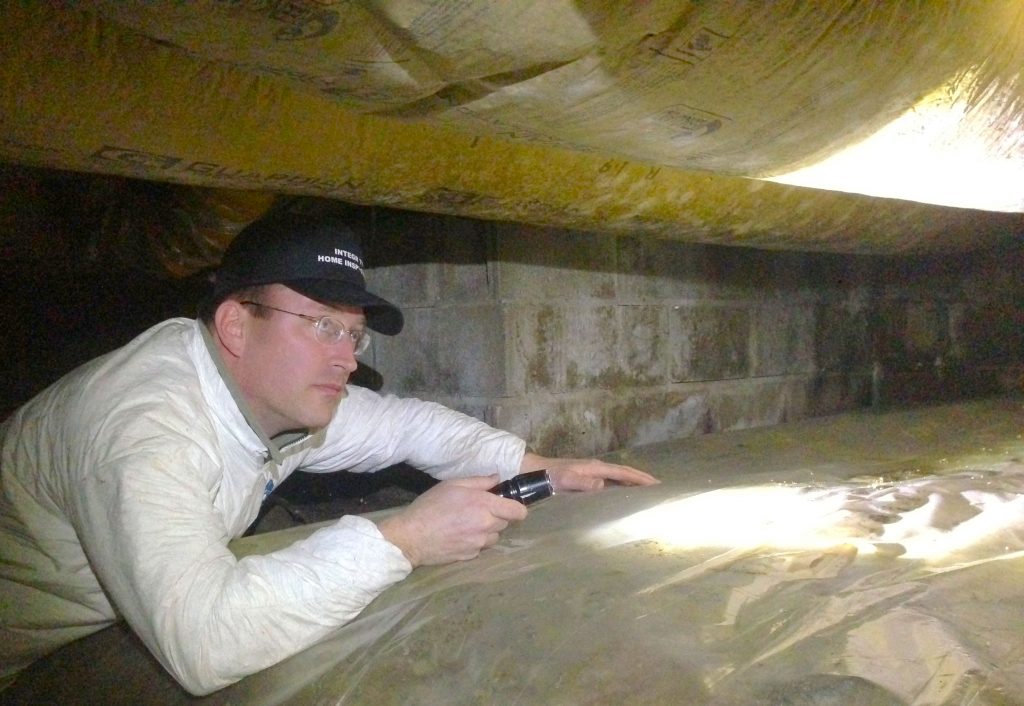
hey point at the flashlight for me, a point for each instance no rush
(527, 488)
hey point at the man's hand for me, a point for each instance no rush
(453, 521)
(584, 474)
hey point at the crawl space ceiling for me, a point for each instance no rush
(842, 126)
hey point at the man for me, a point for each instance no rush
(122, 484)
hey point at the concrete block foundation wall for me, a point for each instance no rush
(584, 343)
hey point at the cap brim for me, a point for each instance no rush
(381, 315)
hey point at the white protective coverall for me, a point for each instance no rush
(123, 482)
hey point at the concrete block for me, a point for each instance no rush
(559, 348)
(591, 349)
(833, 275)
(924, 277)
(709, 342)
(516, 415)
(842, 343)
(753, 403)
(959, 343)
(570, 426)
(410, 362)
(652, 416)
(890, 323)
(797, 399)
(536, 348)
(587, 424)
(644, 343)
(993, 331)
(924, 328)
(405, 285)
(783, 339)
(550, 265)
(798, 277)
(658, 270)
(471, 349)
(403, 257)
(834, 392)
(465, 275)
(733, 274)
(790, 273)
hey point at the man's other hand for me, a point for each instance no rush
(569, 474)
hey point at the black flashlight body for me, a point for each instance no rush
(527, 488)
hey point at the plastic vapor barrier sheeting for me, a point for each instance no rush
(860, 559)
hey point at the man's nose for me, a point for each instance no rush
(343, 354)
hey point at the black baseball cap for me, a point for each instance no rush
(318, 257)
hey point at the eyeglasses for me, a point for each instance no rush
(328, 330)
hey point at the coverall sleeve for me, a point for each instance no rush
(441, 441)
(154, 538)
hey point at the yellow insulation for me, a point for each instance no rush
(177, 230)
(86, 90)
(742, 88)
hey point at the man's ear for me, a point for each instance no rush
(229, 323)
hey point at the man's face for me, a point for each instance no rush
(290, 379)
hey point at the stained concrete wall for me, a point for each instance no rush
(584, 343)
(580, 342)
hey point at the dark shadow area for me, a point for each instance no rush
(307, 498)
(55, 320)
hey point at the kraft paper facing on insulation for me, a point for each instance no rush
(647, 120)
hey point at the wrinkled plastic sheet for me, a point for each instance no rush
(861, 559)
